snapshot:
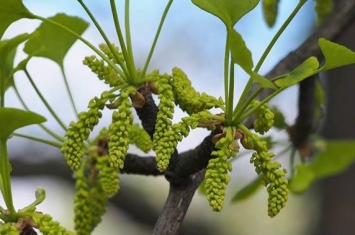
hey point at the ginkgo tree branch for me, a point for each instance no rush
(184, 172)
(339, 20)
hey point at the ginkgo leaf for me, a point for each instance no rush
(53, 42)
(11, 11)
(22, 64)
(229, 11)
(308, 68)
(12, 119)
(7, 54)
(335, 55)
(240, 53)
(337, 156)
(263, 81)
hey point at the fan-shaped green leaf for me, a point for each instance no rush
(229, 11)
(12, 119)
(242, 56)
(11, 11)
(306, 69)
(23, 64)
(54, 42)
(337, 156)
(240, 53)
(263, 81)
(335, 55)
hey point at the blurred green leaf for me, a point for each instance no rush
(229, 11)
(7, 55)
(248, 190)
(335, 55)
(279, 118)
(11, 11)
(12, 119)
(320, 93)
(303, 71)
(270, 10)
(320, 100)
(337, 156)
(323, 8)
(53, 42)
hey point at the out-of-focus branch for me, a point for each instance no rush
(304, 125)
(128, 200)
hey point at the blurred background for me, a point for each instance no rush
(194, 41)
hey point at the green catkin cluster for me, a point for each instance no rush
(105, 49)
(264, 119)
(98, 202)
(47, 226)
(161, 142)
(108, 176)
(270, 10)
(103, 71)
(8, 229)
(273, 177)
(78, 132)
(140, 138)
(323, 8)
(188, 99)
(217, 178)
(120, 128)
(90, 199)
(82, 205)
(182, 128)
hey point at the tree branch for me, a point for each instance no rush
(135, 164)
(193, 161)
(148, 113)
(176, 205)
